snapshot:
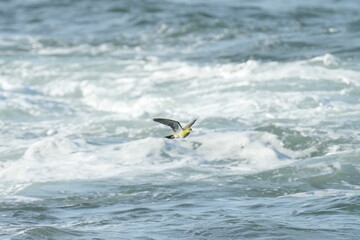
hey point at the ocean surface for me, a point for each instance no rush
(274, 86)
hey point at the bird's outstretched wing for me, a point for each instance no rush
(175, 125)
(190, 124)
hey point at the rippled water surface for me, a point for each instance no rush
(275, 86)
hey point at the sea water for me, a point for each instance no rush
(274, 86)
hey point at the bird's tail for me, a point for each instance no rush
(170, 136)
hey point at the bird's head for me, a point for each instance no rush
(188, 130)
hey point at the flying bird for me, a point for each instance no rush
(179, 131)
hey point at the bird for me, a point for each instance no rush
(179, 131)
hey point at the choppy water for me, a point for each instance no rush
(275, 86)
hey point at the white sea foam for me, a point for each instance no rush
(250, 90)
(327, 60)
(252, 93)
(242, 90)
(325, 193)
(80, 156)
(55, 158)
(250, 151)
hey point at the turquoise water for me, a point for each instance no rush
(275, 86)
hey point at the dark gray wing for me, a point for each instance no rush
(175, 125)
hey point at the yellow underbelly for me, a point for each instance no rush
(184, 133)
